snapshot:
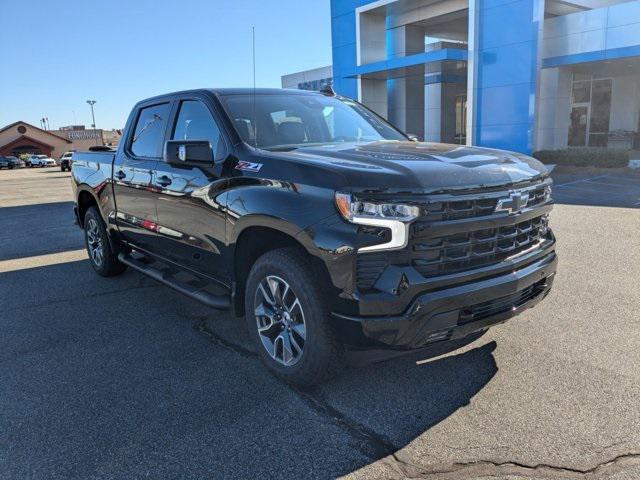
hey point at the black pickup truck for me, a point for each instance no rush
(324, 226)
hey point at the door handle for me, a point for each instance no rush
(163, 181)
(120, 174)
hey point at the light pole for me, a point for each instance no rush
(93, 116)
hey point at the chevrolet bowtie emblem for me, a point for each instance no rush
(514, 203)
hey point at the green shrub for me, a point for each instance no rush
(585, 157)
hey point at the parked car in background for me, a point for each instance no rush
(14, 162)
(65, 161)
(4, 162)
(41, 161)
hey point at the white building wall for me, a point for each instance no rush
(432, 112)
(292, 80)
(373, 93)
(554, 108)
(624, 103)
(555, 105)
(597, 30)
(372, 44)
(600, 29)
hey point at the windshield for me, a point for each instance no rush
(287, 121)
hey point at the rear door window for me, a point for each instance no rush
(148, 136)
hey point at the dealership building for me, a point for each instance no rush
(522, 75)
(22, 137)
(309, 80)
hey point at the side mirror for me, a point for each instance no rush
(187, 151)
(413, 137)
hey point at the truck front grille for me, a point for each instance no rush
(454, 253)
(434, 255)
(456, 209)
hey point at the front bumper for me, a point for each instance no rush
(456, 312)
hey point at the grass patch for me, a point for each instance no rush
(585, 157)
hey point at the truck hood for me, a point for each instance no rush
(426, 167)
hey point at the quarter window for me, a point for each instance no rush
(148, 137)
(195, 122)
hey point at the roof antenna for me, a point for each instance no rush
(255, 126)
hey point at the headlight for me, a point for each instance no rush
(350, 209)
(394, 216)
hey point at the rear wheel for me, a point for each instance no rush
(288, 319)
(102, 258)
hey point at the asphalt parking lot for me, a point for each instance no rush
(124, 378)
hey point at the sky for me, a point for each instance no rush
(56, 55)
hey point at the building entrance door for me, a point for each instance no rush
(579, 125)
(461, 120)
(590, 111)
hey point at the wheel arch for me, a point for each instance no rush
(254, 241)
(86, 199)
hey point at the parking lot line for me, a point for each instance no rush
(580, 181)
(42, 260)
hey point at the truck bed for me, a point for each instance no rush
(86, 164)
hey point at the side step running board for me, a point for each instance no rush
(220, 302)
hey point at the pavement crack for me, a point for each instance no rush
(378, 447)
(367, 441)
(200, 325)
(492, 468)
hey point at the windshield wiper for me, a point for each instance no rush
(295, 146)
(281, 148)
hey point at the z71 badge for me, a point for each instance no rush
(250, 166)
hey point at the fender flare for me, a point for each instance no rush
(287, 227)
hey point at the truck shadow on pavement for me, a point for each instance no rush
(125, 378)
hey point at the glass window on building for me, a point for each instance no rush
(590, 111)
(461, 119)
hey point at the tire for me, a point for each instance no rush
(102, 258)
(314, 357)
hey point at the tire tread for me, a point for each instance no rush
(328, 355)
(111, 266)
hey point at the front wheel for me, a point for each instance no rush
(288, 318)
(102, 258)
